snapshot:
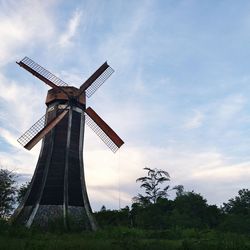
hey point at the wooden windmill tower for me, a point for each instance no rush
(58, 189)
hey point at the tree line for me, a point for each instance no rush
(153, 209)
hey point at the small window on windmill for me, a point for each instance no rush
(62, 106)
(51, 109)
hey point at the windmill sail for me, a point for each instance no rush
(102, 129)
(32, 136)
(96, 80)
(41, 73)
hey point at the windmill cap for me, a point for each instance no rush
(58, 95)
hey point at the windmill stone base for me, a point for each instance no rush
(48, 215)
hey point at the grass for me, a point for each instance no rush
(116, 238)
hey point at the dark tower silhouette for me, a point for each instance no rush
(58, 191)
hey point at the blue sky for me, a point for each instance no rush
(179, 96)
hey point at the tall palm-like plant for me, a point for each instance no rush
(152, 185)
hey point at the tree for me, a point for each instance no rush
(236, 213)
(103, 209)
(179, 190)
(238, 205)
(151, 183)
(191, 210)
(22, 191)
(7, 192)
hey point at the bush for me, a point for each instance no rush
(7, 192)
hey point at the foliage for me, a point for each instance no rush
(22, 191)
(193, 207)
(240, 204)
(119, 238)
(103, 208)
(179, 190)
(154, 217)
(238, 223)
(7, 192)
(108, 218)
(151, 184)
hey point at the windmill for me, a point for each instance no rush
(58, 190)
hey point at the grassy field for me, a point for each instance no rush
(121, 238)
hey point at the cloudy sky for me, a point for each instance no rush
(179, 97)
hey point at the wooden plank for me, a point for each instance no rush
(93, 77)
(41, 77)
(104, 127)
(45, 130)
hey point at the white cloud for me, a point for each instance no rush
(22, 104)
(17, 159)
(9, 138)
(192, 168)
(230, 106)
(66, 38)
(23, 25)
(225, 172)
(119, 46)
(195, 121)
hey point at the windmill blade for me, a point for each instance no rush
(96, 80)
(32, 136)
(102, 129)
(42, 74)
